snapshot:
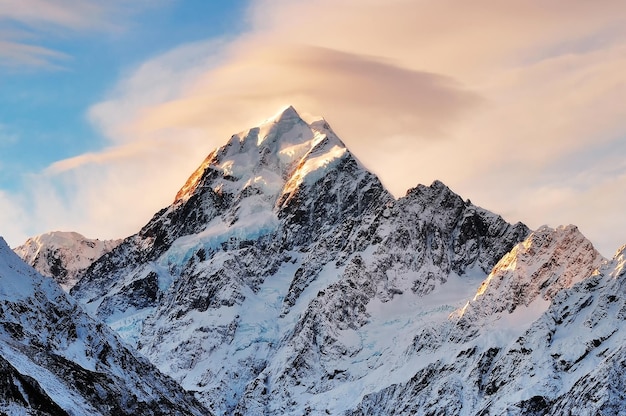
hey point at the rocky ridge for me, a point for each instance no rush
(534, 329)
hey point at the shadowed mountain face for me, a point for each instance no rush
(56, 360)
(266, 286)
(24, 394)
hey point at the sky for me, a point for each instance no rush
(107, 107)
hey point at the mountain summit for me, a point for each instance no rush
(284, 149)
(266, 285)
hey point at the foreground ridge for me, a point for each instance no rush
(56, 360)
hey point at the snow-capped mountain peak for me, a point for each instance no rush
(63, 255)
(283, 149)
(275, 128)
(280, 236)
(285, 279)
(533, 272)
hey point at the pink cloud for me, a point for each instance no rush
(16, 54)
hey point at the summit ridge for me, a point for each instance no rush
(268, 155)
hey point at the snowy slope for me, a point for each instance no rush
(284, 277)
(528, 336)
(63, 255)
(530, 276)
(56, 360)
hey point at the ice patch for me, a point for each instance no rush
(218, 234)
(129, 324)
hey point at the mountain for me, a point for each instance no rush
(63, 255)
(285, 279)
(530, 276)
(535, 328)
(56, 360)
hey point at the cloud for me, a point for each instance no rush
(15, 222)
(316, 79)
(15, 54)
(66, 13)
(102, 195)
(162, 79)
(596, 208)
(510, 103)
(29, 24)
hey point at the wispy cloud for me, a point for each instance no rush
(77, 14)
(16, 55)
(488, 96)
(27, 25)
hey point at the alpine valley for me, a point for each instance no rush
(285, 279)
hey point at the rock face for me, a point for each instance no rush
(63, 255)
(56, 360)
(284, 275)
